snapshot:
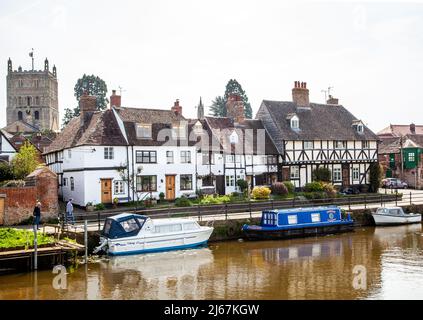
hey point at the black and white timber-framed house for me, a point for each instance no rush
(311, 135)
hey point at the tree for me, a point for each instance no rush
(321, 174)
(6, 172)
(94, 86)
(25, 161)
(218, 107)
(69, 115)
(375, 176)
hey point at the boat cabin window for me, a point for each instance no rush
(107, 226)
(129, 225)
(292, 219)
(315, 217)
(168, 228)
(191, 226)
(382, 210)
(396, 211)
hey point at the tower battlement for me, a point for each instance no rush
(32, 98)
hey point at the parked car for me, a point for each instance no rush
(350, 190)
(394, 183)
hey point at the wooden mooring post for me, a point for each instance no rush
(35, 248)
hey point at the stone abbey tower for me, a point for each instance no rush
(32, 99)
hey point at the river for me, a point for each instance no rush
(370, 263)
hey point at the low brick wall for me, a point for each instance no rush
(19, 204)
(20, 201)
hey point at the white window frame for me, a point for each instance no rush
(118, 187)
(295, 123)
(337, 174)
(185, 155)
(169, 157)
(340, 144)
(109, 153)
(69, 153)
(230, 181)
(356, 174)
(309, 145)
(294, 172)
(365, 144)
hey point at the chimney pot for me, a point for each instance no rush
(177, 109)
(300, 94)
(332, 100)
(115, 100)
(413, 128)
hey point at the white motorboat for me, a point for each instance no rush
(395, 216)
(129, 233)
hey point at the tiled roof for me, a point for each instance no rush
(102, 129)
(222, 128)
(396, 130)
(393, 145)
(319, 122)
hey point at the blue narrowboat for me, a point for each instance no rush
(299, 222)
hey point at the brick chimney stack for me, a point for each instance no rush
(87, 106)
(177, 109)
(332, 100)
(115, 100)
(235, 108)
(300, 94)
(413, 128)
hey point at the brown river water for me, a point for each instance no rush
(389, 262)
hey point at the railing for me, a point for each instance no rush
(249, 207)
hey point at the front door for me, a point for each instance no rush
(170, 187)
(220, 184)
(345, 174)
(106, 190)
(1, 211)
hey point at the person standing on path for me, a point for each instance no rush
(37, 214)
(69, 212)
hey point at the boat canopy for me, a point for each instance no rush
(122, 226)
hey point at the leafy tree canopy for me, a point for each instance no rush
(218, 107)
(94, 86)
(25, 161)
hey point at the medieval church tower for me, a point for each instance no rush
(32, 99)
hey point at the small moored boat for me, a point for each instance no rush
(129, 233)
(395, 216)
(299, 222)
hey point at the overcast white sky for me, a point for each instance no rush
(158, 51)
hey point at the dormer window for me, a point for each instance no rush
(233, 138)
(144, 131)
(294, 121)
(358, 126)
(198, 128)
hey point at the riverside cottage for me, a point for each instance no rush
(308, 135)
(157, 151)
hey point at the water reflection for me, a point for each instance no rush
(312, 268)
